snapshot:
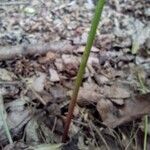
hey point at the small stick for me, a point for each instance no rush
(14, 3)
(11, 52)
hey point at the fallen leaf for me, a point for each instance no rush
(50, 56)
(71, 64)
(6, 75)
(104, 41)
(59, 64)
(106, 109)
(101, 79)
(116, 91)
(54, 77)
(58, 93)
(133, 108)
(31, 129)
(117, 101)
(38, 82)
(86, 98)
(67, 59)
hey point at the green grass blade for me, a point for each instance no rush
(144, 90)
(3, 118)
(145, 132)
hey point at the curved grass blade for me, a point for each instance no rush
(3, 116)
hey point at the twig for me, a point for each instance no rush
(29, 87)
(10, 52)
(14, 3)
(100, 135)
(10, 82)
(38, 96)
(132, 139)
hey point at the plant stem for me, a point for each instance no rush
(145, 132)
(91, 37)
(144, 90)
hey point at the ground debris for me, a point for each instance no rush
(116, 91)
(50, 37)
(113, 116)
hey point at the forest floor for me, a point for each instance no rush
(41, 44)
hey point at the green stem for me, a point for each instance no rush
(90, 40)
(145, 131)
(144, 90)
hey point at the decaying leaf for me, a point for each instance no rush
(54, 77)
(50, 56)
(86, 98)
(31, 132)
(116, 91)
(38, 82)
(71, 64)
(118, 101)
(106, 110)
(134, 108)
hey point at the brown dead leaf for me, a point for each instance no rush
(58, 93)
(118, 101)
(88, 95)
(106, 109)
(104, 41)
(116, 91)
(50, 56)
(71, 64)
(134, 108)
